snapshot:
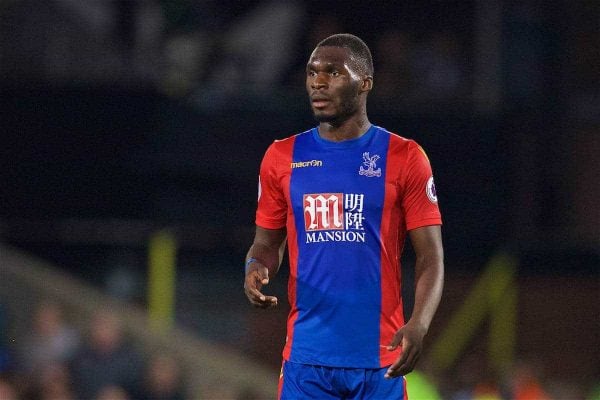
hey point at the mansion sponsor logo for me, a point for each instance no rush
(334, 217)
(304, 164)
(335, 236)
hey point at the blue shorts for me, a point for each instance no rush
(301, 381)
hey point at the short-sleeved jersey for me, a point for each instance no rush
(347, 207)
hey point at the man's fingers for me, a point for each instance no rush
(269, 301)
(265, 302)
(255, 294)
(406, 353)
(409, 364)
(404, 365)
(395, 341)
(257, 298)
(254, 282)
(260, 276)
(390, 373)
(392, 370)
(263, 275)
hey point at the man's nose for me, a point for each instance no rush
(319, 82)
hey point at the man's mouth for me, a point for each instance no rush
(320, 102)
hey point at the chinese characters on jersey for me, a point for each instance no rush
(334, 217)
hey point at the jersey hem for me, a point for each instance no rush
(423, 222)
(384, 362)
(268, 225)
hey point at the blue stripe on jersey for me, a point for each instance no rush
(339, 281)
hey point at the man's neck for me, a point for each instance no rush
(352, 128)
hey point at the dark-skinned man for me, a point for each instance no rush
(344, 195)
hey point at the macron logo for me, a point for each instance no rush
(304, 164)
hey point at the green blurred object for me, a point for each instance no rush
(595, 393)
(419, 387)
(162, 254)
(493, 297)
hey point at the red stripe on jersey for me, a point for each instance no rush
(280, 382)
(284, 170)
(292, 243)
(392, 316)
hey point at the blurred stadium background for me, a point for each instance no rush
(131, 133)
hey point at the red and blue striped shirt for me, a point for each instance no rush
(347, 207)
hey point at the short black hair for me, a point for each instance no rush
(357, 47)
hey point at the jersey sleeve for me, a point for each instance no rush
(419, 201)
(271, 212)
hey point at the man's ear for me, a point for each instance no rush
(367, 84)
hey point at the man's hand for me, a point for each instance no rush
(410, 338)
(257, 275)
(429, 280)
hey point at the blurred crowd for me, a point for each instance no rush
(212, 50)
(55, 361)
(264, 49)
(472, 379)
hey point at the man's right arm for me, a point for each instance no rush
(262, 263)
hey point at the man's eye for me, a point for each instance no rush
(335, 73)
(312, 73)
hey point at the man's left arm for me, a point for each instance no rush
(429, 282)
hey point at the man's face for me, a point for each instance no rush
(333, 83)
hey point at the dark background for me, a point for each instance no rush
(124, 117)
(86, 140)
